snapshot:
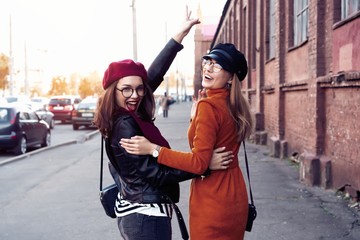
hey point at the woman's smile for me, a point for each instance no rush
(130, 92)
(132, 105)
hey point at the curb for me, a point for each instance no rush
(80, 139)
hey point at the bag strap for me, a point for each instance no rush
(248, 174)
(101, 162)
(182, 225)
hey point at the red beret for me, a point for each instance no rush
(124, 68)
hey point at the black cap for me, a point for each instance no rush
(231, 59)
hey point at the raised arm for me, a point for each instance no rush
(186, 26)
(164, 59)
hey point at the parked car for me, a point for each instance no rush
(43, 113)
(21, 128)
(83, 115)
(18, 99)
(41, 100)
(63, 106)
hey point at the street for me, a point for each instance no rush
(63, 132)
(54, 195)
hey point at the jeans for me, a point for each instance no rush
(165, 113)
(143, 227)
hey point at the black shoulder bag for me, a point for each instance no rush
(252, 209)
(109, 194)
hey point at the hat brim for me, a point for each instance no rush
(223, 63)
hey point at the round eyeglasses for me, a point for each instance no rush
(128, 91)
(208, 63)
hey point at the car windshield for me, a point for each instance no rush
(88, 105)
(12, 99)
(61, 101)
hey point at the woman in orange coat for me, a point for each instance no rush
(219, 202)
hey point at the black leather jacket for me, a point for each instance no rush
(142, 179)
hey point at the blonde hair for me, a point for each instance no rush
(240, 110)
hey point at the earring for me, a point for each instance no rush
(228, 85)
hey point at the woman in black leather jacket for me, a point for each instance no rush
(126, 108)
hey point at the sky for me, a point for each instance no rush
(60, 37)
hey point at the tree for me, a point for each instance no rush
(74, 83)
(98, 89)
(35, 91)
(96, 83)
(4, 70)
(90, 85)
(58, 86)
(85, 88)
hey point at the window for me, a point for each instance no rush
(4, 115)
(349, 8)
(301, 13)
(23, 116)
(33, 116)
(60, 101)
(271, 36)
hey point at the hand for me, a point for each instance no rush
(186, 26)
(221, 159)
(201, 94)
(137, 145)
(195, 100)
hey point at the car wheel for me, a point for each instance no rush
(21, 147)
(75, 126)
(52, 124)
(47, 140)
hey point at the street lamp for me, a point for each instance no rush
(134, 30)
(11, 62)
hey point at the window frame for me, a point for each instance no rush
(272, 36)
(349, 8)
(301, 21)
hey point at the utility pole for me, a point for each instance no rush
(167, 77)
(177, 84)
(134, 31)
(26, 80)
(11, 61)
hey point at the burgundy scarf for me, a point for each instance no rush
(150, 131)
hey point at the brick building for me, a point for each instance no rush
(303, 83)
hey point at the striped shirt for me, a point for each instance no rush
(124, 207)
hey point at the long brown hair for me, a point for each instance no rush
(107, 110)
(240, 110)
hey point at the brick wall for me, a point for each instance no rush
(307, 97)
(342, 141)
(346, 42)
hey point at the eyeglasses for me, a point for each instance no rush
(128, 91)
(215, 66)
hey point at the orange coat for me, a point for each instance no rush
(218, 203)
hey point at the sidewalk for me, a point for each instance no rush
(287, 209)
